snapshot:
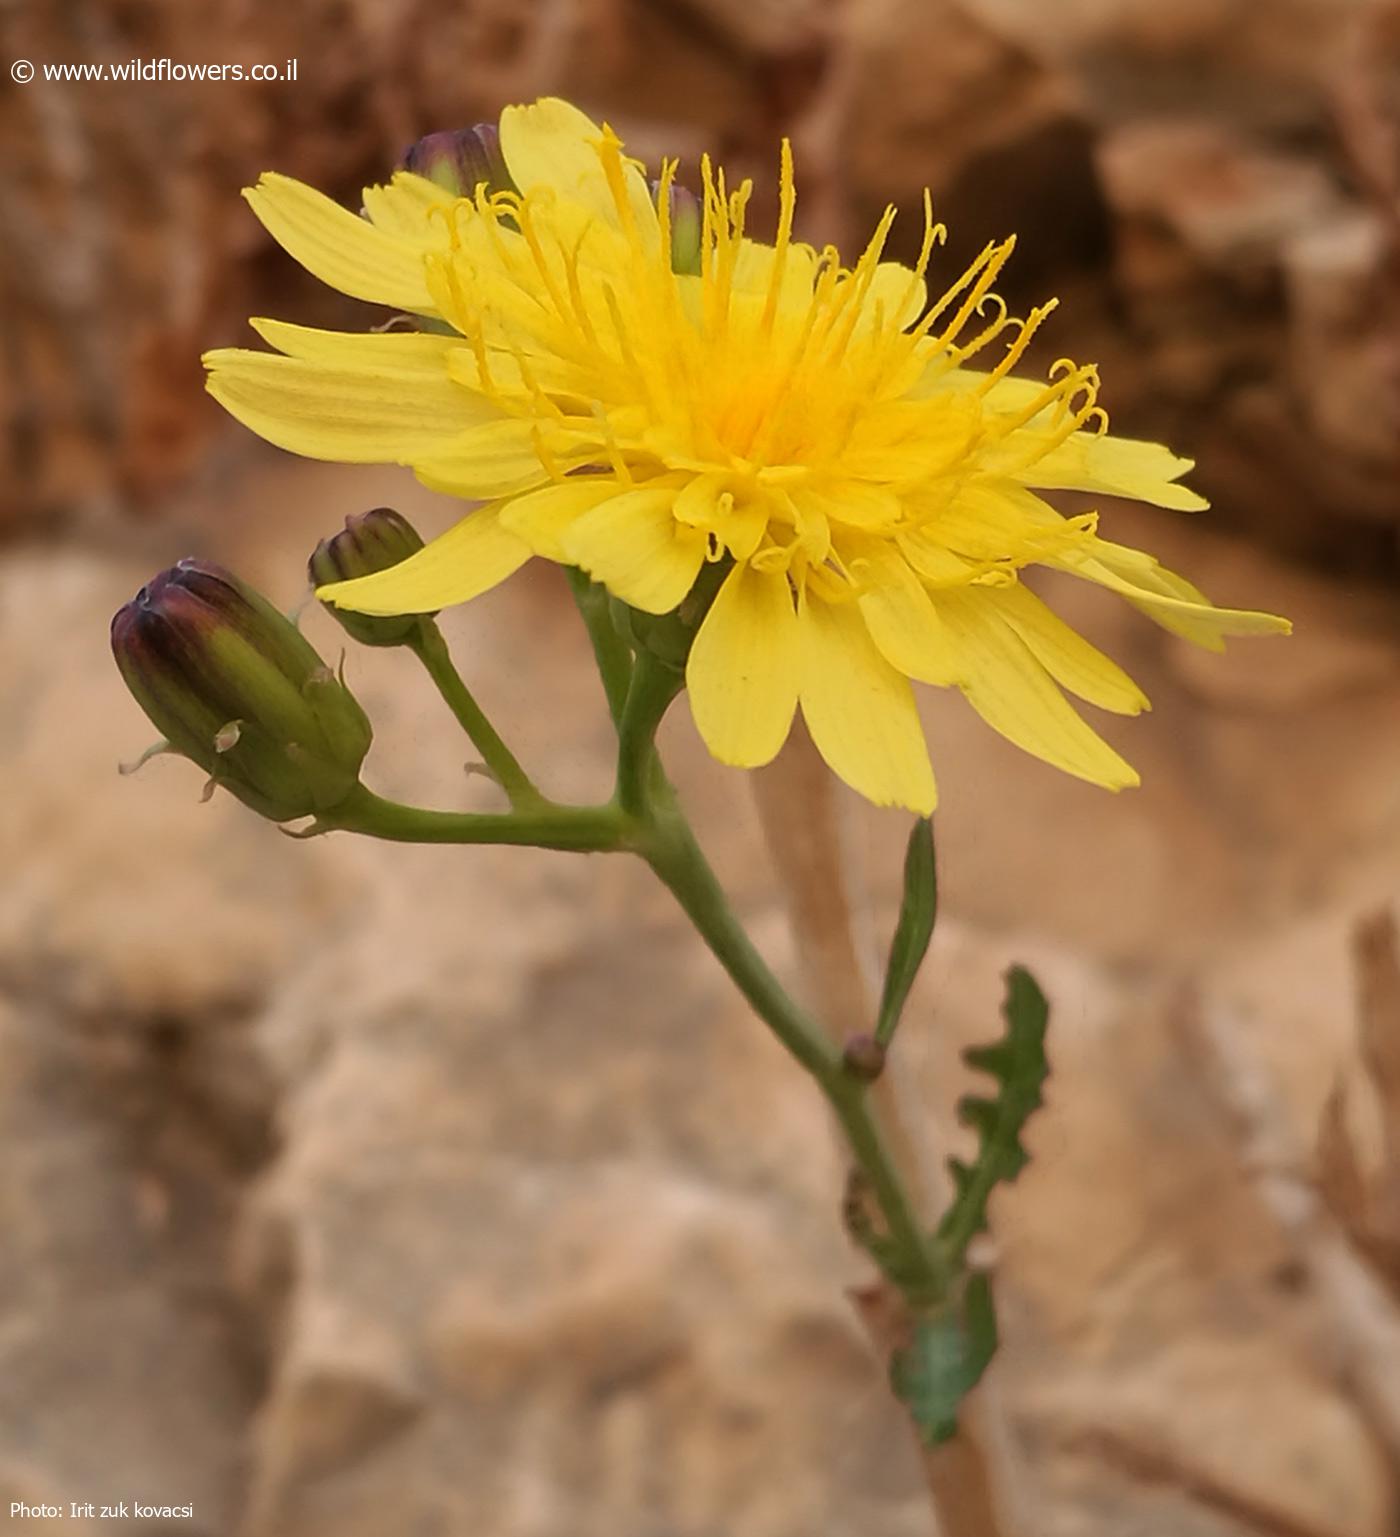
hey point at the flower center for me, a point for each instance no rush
(789, 398)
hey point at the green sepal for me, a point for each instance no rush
(917, 914)
(1018, 1064)
(345, 727)
(945, 1360)
(612, 648)
(669, 637)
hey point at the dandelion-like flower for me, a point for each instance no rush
(816, 428)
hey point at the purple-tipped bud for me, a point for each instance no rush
(687, 227)
(370, 541)
(234, 686)
(460, 160)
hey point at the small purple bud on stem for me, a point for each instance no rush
(370, 541)
(233, 685)
(863, 1057)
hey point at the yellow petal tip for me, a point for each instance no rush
(333, 593)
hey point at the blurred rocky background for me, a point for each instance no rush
(355, 1190)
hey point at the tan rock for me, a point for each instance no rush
(1265, 67)
(120, 1378)
(1217, 1470)
(993, 133)
(1346, 336)
(1262, 297)
(764, 27)
(1230, 201)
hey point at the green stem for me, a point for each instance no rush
(611, 652)
(431, 649)
(677, 859)
(967, 1214)
(654, 686)
(583, 829)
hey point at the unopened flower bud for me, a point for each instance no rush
(370, 541)
(234, 686)
(686, 227)
(460, 160)
(863, 1057)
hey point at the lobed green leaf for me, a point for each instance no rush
(1018, 1064)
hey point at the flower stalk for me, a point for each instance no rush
(653, 687)
(430, 648)
(571, 829)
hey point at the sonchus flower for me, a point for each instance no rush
(818, 429)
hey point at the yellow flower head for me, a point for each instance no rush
(815, 427)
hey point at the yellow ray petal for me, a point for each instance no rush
(856, 503)
(541, 518)
(1064, 653)
(480, 295)
(404, 209)
(339, 247)
(1168, 599)
(742, 673)
(505, 372)
(1009, 395)
(552, 144)
(1085, 461)
(860, 711)
(1144, 472)
(414, 353)
(753, 273)
(936, 564)
(355, 415)
(901, 617)
(468, 559)
(499, 459)
(911, 442)
(897, 293)
(992, 519)
(633, 545)
(1015, 695)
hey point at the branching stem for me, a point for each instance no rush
(644, 818)
(431, 649)
(580, 829)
